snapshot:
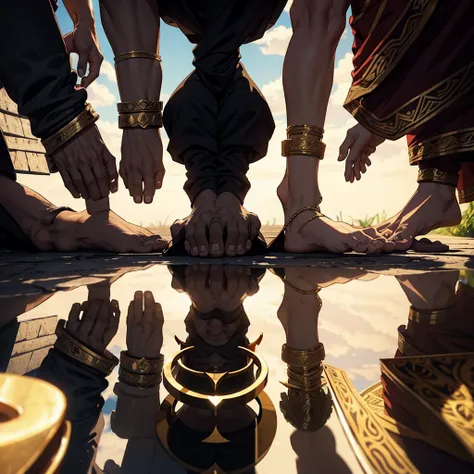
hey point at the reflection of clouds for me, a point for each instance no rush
(357, 324)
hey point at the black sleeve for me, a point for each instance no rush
(35, 68)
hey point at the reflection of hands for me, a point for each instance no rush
(144, 326)
(217, 286)
(98, 325)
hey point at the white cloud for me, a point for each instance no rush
(275, 41)
(108, 71)
(288, 5)
(273, 92)
(342, 80)
(100, 95)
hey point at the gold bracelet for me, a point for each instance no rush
(307, 379)
(142, 381)
(304, 145)
(70, 346)
(59, 139)
(141, 365)
(430, 316)
(434, 175)
(141, 105)
(317, 132)
(303, 358)
(137, 55)
(141, 120)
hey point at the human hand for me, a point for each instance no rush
(98, 325)
(356, 149)
(83, 41)
(144, 326)
(141, 167)
(86, 166)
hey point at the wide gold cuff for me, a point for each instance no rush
(305, 145)
(434, 175)
(430, 316)
(137, 55)
(141, 120)
(141, 365)
(142, 381)
(138, 106)
(303, 358)
(70, 346)
(61, 138)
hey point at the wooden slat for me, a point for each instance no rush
(37, 163)
(23, 144)
(19, 160)
(6, 103)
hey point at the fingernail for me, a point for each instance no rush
(203, 248)
(147, 199)
(215, 247)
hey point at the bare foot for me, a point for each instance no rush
(431, 207)
(327, 235)
(71, 231)
(217, 226)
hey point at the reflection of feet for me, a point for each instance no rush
(323, 234)
(72, 230)
(431, 207)
(217, 226)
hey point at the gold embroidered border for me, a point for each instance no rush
(466, 195)
(443, 385)
(418, 110)
(376, 450)
(450, 143)
(390, 54)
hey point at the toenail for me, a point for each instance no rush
(195, 249)
(148, 199)
(240, 248)
(215, 247)
(231, 248)
(203, 248)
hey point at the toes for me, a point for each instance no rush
(201, 239)
(232, 239)
(216, 238)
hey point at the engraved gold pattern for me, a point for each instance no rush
(442, 383)
(430, 316)
(391, 53)
(313, 130)
(137, 55)
(466, 195)
(140, 380)
(418, 110)
(141, 365)
(303, 358)
(60, 139)
(141, 105)
(434, 175)
(380, 453)
(304, 145)
(141, 120)
(68, 345)
(405, 347)
(450, 143)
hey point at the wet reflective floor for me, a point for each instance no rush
(250, 370)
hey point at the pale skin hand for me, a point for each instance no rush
(144, 326)
(135, 26)
(83, 40)
(86, 166)
(98, 325)
(358, 145)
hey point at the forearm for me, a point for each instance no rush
(80, 11)
(35, 68)
(308, 69)
(134, 26)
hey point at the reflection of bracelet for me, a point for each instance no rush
(141, 120)
(141, 105)
(143, 365)
(141, 381)
(70, 346)
(76, 126)
(303, 358)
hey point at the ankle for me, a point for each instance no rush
(205, 198)
(437, 190)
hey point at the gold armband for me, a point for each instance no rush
(137, 55)
(59, 139)
(430, 316)
(142, 381)
(316, 132)
(303, 358)
(139, 106)
(304, 140)
(141, 365)
(141, 120)
(70, 346)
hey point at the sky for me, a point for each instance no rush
(385, 188)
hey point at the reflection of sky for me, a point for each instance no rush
(357, 324)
